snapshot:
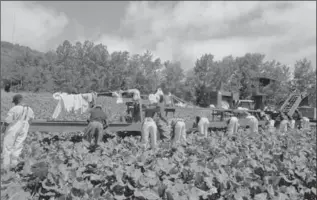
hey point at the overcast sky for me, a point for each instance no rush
(183, 31)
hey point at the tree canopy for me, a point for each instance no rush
(85, 67)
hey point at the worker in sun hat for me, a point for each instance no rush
(17, 125)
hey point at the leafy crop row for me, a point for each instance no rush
(262, 167)
(63, 166)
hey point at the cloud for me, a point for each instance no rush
(285, 31)
(180, 31)
(30, 24)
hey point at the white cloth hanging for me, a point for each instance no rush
(72, 102)
(119, 96)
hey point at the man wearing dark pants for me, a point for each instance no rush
(97, 122)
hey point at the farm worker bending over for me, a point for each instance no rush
(17, 122)
(149, 129)
(203, 124)
(291, 121)
(270, 123)
(305, 123)
(97, 122)
(161, 122)
(233, 125)
(284, 123)
(252, 122)
(178, 131)
(298, 119)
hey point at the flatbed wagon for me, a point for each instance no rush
(217, 119)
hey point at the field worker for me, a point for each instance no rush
(203, 124)
(253, 122)
(97, 122)
(169, 100)
(136, 98)
(291, 121)
(17, 122)
(233, 125)
(298, 119)
(161, 122)
(270, 123)
(278, 120)
(284, 123)
(178, 131)
(149, 129)
(305, 123)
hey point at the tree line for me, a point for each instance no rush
(85, 67)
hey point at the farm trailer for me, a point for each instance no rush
(219, 122)
(132, 123)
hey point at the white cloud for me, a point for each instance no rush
(114, 43)
(285, 31)
(29, 24)
(183, 30)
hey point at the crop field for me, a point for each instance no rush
(62, 166)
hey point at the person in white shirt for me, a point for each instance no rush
(253, 122)
(291, 121)
(178, 127)
(305, 123)
(284, 123)
(17, 126)
(233, 125)
(202, 122)
(269, 123)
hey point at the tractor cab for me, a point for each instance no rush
(258, 84)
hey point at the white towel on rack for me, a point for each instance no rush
(72, 102)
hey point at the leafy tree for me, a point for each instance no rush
(248, 67)
(277, 91)
(173, 75)
(304, 79)
(83, 67)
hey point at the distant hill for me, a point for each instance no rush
(10, 52)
